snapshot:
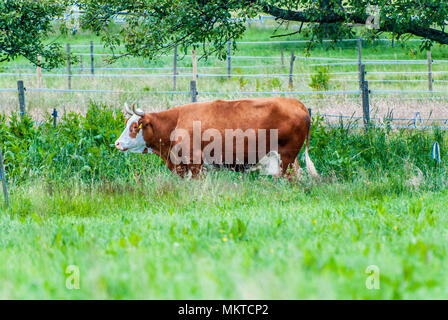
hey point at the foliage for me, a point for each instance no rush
(320, 80)
(154, 27)
(80, 147)
(24, 26)
(347, 151)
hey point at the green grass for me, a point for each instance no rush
(223, 236)
(134, 230)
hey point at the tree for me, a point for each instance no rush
(155, 26)
(24, 26)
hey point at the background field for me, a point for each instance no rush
(136, 231)
(342, 77)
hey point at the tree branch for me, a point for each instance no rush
(388, 26)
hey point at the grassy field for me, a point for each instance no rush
(125, 227)
(133, 230)
(224, 236)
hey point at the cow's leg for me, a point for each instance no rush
(290, 166)
(196, 162)
(297, 170)
(195, 170)
(179, 169)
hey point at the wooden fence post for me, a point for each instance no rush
(175, 67)
(69, 76)
(195, 66)
(92, 64)
(291, 68)
(365, 105)
(362, 75)
(82, 63)
(21, 89)
(193, 91)
(193, 85)
(39, 72)
(229, 58)
(3, 177)
(429, 71)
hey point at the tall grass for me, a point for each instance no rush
(81, 148)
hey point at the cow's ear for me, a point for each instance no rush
(144, 122)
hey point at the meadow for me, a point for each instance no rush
(130, 229)
(134, 230)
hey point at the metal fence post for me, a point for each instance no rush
(69, 76)
(193, 91)
(92, 62)
(21, 89)
(229, 58)
(3, 177)
(291, 68)
(175, 67)
(55, 117)
(429, 71)
(365, 105)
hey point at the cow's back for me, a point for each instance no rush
(267, 113)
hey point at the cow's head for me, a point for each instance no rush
(132, 137)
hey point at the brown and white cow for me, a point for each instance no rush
(163, 132)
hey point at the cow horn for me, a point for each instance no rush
(126, 108)
(137, 111)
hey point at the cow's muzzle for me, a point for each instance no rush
(119, 147)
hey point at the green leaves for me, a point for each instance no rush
(320, 80)
(79, 146)
(24, 27)
(154, 27)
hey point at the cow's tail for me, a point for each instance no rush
(309, 164)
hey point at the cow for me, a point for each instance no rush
(274, 126)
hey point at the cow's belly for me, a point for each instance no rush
(270, 164)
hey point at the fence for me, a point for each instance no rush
(363, 92)
(175, 74)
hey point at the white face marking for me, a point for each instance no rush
(128, 143)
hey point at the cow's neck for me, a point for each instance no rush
(163, 124)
